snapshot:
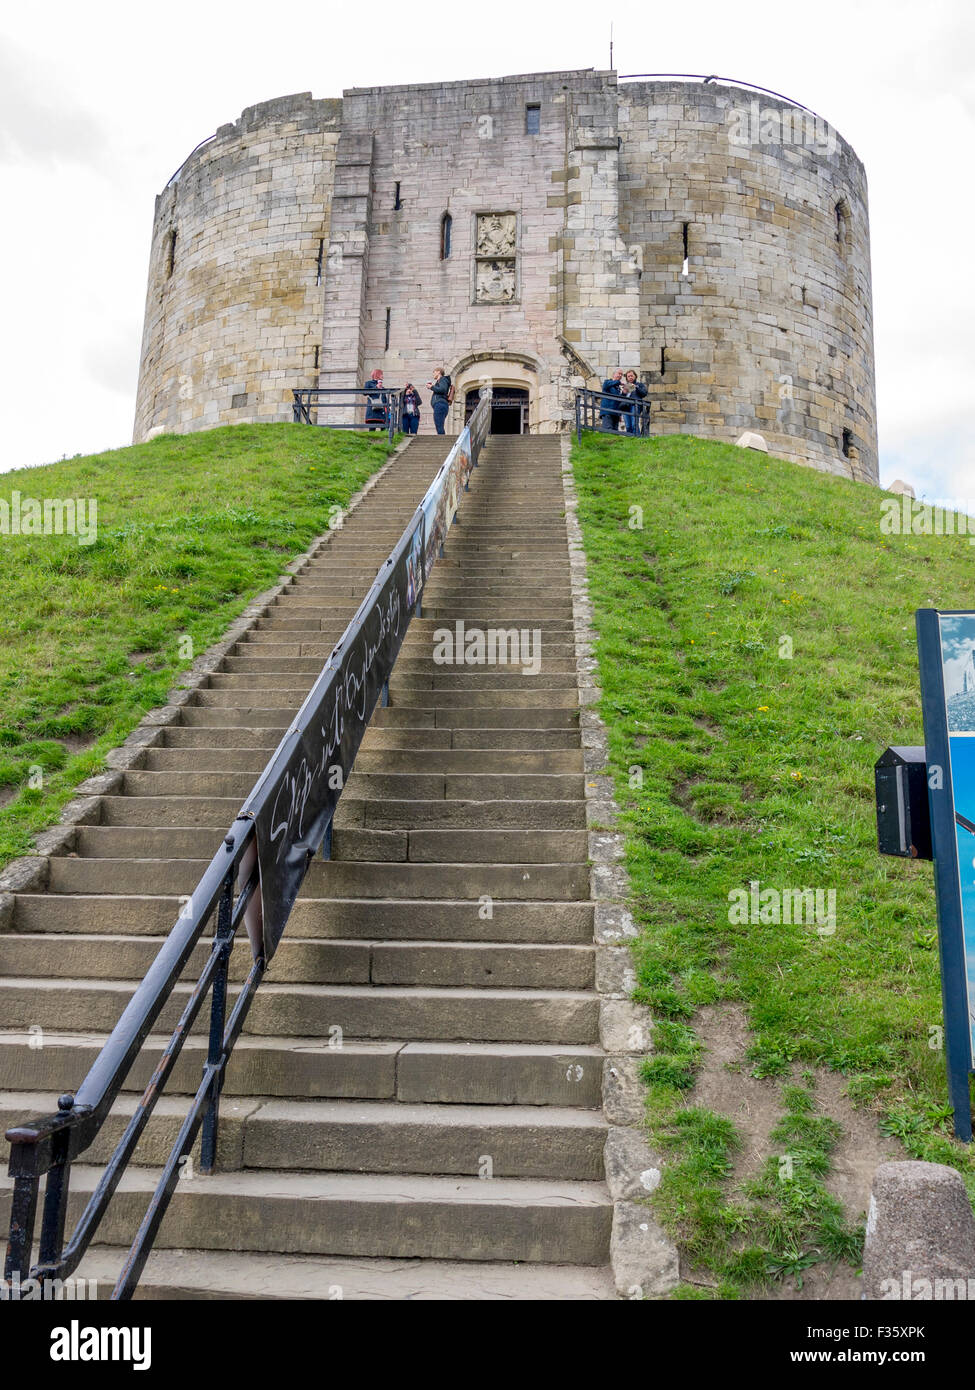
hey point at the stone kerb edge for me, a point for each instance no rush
(644, 1260)
(30, 874)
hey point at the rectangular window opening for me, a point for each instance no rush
(171, 253)
(684, 228)
(318, 264)
(389, 314)
(238, 400)
(846, 442)
(397, 201)
(663, 360)
(533, 119)
(316, 356)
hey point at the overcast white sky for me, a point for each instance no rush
(101, 102)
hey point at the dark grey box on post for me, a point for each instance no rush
(903, 816)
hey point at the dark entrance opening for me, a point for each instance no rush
(509, 409)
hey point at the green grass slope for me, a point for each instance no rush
(189, 529)
(757, 653)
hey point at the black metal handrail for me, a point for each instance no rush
(600, 410)
(49, 1145)
(383, 403)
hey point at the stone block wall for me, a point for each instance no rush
(462, 149)
(234, 303)
(771, 327)
(715, 241)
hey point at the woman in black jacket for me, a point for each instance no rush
(440, 399)
(634, 393)
(376, 401)
(412, 400)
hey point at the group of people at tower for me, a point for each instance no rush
(379, 402)
(621, 396)
(619, 403)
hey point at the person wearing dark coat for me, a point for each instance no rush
(609, 411)
(412, 400)
(376, 401)
(633, 393)
(440, 398)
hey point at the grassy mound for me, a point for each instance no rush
(93, 635)
(757, 653)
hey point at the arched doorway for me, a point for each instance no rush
(516, 382)
(509, 409)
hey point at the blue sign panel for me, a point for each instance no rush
(946, 643)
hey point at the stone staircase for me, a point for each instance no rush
(413, 1110)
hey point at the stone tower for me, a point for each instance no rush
(537, 231)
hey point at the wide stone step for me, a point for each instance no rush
(417, 1217)
(181, 1274)
(278, 665)
(196, 716)
(435, 964)
(547, 566)
(559, 882)
(416, 715)
(415, 759)
(474, 786)
(378, 1137)
(470, 1073)
(503, 740)
(229, 738)
(291, 1010)
(218, 813)
(525, 694)
(506, 676)
(469, 719)
(308, 623)
(358, 1136)
(463, 815)
(490, 581)
(415, 652)
(542, 922)
(352, 844)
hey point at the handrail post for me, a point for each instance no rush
(56, 1194)
(218, 1010)
(23, 1210)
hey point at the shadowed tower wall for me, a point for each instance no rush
(234, 303)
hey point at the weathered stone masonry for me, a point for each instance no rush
(718, 244)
